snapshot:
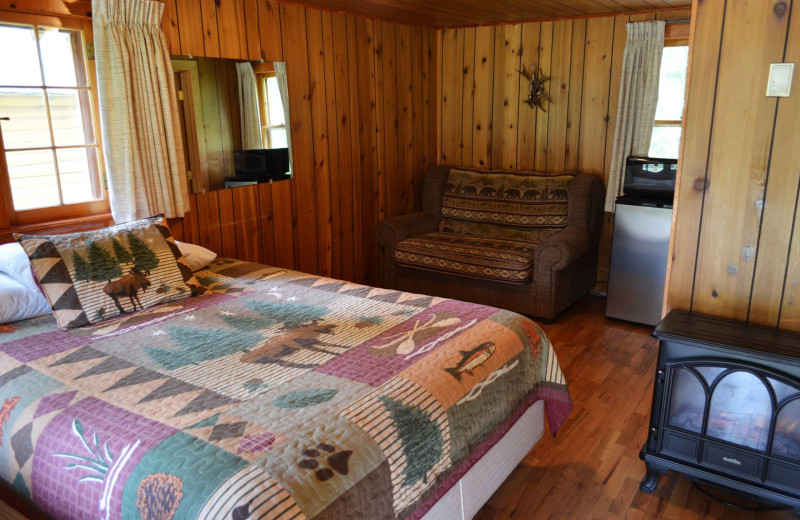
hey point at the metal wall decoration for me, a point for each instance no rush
(537, 94)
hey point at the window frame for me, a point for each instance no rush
(263, 99)
(10, 217)
(676, 35)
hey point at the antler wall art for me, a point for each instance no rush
(536, 90)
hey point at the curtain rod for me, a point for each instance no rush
(685, 20)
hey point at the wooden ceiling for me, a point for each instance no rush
(431, 13)
(466, 13)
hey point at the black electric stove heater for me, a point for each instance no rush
(726, 407)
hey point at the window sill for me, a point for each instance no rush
(55, 227)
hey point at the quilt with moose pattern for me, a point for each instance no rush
(276, 394)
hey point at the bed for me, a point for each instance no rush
(276, 394)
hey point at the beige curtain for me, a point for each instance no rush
(248, 104)
(638, 97)
(283, 86)
(138, 111)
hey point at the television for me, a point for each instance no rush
(264, 165)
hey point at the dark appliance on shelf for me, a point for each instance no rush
(650, 178)
(726, 407)
(263, 165)
(640, 243)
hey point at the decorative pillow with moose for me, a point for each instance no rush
(92, 276)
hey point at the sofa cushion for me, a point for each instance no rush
(504, 204)
(488, 258)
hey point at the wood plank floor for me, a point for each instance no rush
(591, 469)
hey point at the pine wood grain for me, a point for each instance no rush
(738, 159)
(466, 13)
(484, 91)
(505, 110)
(527, 116)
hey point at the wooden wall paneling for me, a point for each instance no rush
(559, 90)
(484, 93)
(380, 124)
(227, 223)
(266, 221)
(284, 223)
(190, 27)
(596, 85)
(269, 29)
(213, 112)
(211, 44)
(468, 97)
(739, 155)
(169, 26)
(780, 208)
(295, 45)
(434, 67)
(391, 170)
(230, 129)
(355, 123)
(405, 123)
(617, 54)
(175, 226)
(232, 29)
(675, 14)
(247, 223)
(336, 182)
(369, 163)
(508, 40)
(190, 231)
(251, 22)
(527, 116)
(208, 221)
(419, 102)
(687, 209)
(574, 110)
(452, 95)
(544, 62)
(340, 122)
(319, 121)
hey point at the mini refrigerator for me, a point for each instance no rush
(640, 243)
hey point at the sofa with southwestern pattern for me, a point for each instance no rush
(521, 241)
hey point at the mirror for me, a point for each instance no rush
(233, 118)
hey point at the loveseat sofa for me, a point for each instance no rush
(521, 241)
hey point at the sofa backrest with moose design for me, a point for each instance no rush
(522, 241)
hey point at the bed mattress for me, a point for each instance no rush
(276, 395)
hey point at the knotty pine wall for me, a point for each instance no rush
(484, 123)
(736, 248)
(363, 109)
(364, 122)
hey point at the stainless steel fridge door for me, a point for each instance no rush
(639, 254)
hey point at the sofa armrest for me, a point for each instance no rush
(561, 249)
(393, 230)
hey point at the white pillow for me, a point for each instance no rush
(197, 257)
(14, 262)
(18, 302)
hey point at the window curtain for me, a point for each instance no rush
(138, 111)
(248, 104)
(283, 86)
(638, 97)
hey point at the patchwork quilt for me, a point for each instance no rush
(276, 394)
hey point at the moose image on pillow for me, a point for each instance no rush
(95, 275)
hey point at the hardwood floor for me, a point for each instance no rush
(591, 469)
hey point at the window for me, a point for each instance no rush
(667, 130)
(48, 137)
(273, 120)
